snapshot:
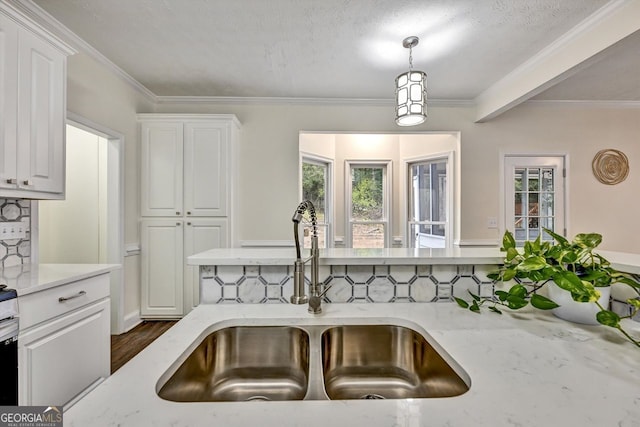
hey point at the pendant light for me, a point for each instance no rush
(411, 91)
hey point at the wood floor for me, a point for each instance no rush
(126, 346)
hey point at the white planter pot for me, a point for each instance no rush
(577, 312)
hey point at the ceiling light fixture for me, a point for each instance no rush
(411, 91)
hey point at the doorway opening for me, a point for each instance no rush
(88, 226)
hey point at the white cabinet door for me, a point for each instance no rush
(41, 115)
(161, 268)
(200, 235)
(8, 102)
(161, 170)
(206, 168)
(66, 357)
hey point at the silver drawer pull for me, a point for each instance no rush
(12, 181)
(79, 294)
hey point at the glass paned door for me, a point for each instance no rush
(534, 197)
(427, 204)
(368, 212)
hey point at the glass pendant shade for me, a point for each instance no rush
(411, 98)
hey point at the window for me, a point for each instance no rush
(534, 197)
(428, 205)
(316, 188)
(368, 204)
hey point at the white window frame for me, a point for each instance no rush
(510, 161)
(329, 191)
(448, 156)
(388, 195)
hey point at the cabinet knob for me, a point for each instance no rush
(189, 213)
(188, 223)
(177, 213)
(177, 223)
(27, 182)
(12, 181)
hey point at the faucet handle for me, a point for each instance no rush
(324, 291)
(315, 304)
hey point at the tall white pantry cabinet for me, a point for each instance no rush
(186, 204)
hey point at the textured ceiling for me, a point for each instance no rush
(325, 48)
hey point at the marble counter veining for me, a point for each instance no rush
(526, 369)
(30, 278)
(350, 256)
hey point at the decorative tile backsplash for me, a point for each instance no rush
(251, 284)
(15, 251)
(349, 284)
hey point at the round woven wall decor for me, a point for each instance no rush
(610, 166)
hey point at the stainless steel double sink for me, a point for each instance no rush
(313, 362)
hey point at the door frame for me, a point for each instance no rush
(502, 220)
(449, 157)
(115, 249)
(387, 184)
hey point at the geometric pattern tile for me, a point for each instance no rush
(15, 251)
(347, 283)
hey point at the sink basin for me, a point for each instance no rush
(365, 360)
(243, 363)
(384, 362)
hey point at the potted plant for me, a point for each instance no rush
(578, 272)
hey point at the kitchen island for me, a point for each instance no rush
(525, 369)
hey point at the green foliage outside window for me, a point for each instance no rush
(366, 193)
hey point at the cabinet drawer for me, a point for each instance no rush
(40, 306)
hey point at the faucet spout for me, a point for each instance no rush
(315, 293)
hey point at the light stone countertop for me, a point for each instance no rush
(30, 278)
(349, 256)
(526, 369)
(627, 262)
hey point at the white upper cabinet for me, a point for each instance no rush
(33, 107)
(41, 115)
(186, 164)
(9, 102)
(205, 168)
(162, 168)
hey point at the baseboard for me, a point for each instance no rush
(132, 320)
(478, 243)
(267, 243)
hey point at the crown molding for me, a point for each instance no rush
(192, 117)
(26, 20)
(42, 17)
(255, 100)
(583, 104)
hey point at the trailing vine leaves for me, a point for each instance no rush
(573, 266)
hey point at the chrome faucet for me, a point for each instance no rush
(315, 293)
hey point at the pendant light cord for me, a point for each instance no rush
(410, 58)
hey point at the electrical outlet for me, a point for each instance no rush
(492, 222)
(12, 230)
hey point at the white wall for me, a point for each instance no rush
(268, 156)
(271, 132)
(70, 229)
